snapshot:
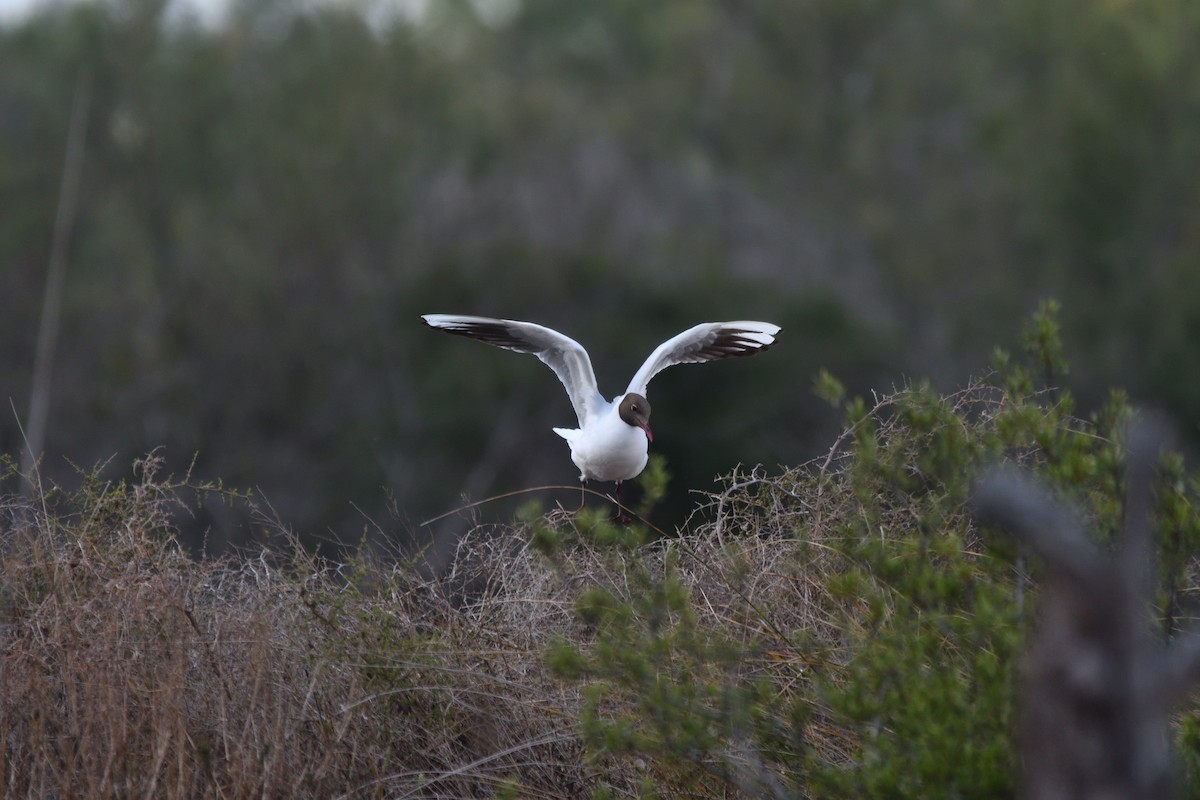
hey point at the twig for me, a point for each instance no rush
(531, 490)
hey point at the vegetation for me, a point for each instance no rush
(264, 206)
(839, 629)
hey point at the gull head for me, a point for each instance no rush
(635, 412)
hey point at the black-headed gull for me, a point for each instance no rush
(612, 439)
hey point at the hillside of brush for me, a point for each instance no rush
(840, 628)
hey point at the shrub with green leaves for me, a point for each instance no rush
(843, 629)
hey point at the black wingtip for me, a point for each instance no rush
(495, 333)
(735, 342)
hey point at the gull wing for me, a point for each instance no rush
(561, 353)
(708, 341)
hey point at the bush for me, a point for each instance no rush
(843, 629)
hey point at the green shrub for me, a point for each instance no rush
(876, 656)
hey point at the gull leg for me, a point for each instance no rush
(621, 516)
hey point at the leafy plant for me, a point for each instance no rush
(914, 622)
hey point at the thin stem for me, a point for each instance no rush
(64, 221)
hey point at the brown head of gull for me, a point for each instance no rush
(635, 410)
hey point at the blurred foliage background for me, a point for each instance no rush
(267, 204)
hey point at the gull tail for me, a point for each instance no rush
(570, 434)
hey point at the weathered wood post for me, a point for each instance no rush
(1098, 687)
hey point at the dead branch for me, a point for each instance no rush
(1097, 687)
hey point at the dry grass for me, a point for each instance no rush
(130, 669)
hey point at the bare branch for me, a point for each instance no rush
(1050, 526)
(1098, 690)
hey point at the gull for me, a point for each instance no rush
(612, 440)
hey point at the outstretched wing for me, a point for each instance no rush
(708, 341)
(561, 353)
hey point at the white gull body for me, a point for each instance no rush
(612, 439)
(607, 448)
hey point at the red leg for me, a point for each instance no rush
(621, 516)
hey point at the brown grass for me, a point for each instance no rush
(132, 670)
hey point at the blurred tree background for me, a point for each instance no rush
(267, 204)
